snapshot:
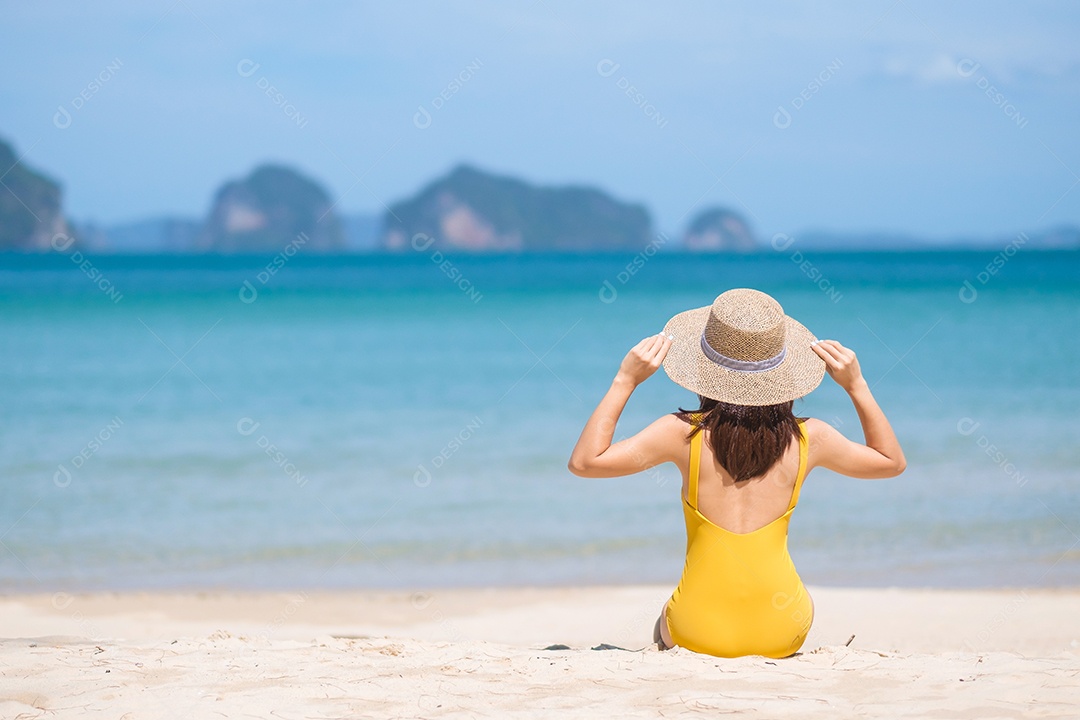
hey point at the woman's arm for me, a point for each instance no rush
(594, 455)
(881, 455)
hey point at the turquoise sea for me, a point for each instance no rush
(374, 421)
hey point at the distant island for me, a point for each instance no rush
(271, 208)
(474, 211)
(719, 230)
(468, 210)
(31, 212)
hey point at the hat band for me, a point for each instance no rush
(747, 366)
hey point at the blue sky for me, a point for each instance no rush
(935, 119)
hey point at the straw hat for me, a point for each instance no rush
(742, 350)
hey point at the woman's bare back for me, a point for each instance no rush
(748, 505)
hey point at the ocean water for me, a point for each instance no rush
(179, 422)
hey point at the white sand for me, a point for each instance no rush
(469, 653)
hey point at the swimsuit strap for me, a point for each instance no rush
(804, 447)
(695, 460)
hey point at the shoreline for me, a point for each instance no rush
(526, 652)
(1032, 620)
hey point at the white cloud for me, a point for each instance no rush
(936, 70)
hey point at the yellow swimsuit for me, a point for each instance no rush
(739, 593)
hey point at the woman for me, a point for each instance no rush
(747, 361)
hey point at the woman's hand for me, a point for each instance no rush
(663, 441)
(643, 360)
(880, 456)
(840, 363)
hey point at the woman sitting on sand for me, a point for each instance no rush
(747, 361)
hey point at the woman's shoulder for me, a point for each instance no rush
(816, 426)
(677, 422)
(682, 418)
(821, 438)
(672, 429)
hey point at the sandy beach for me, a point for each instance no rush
(525, 652)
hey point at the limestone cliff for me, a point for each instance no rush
(31, 207)
(719, 230)
(471, 210)
(268, 211)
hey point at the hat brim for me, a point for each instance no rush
(686, 364)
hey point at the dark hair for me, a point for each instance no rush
(746, 440)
